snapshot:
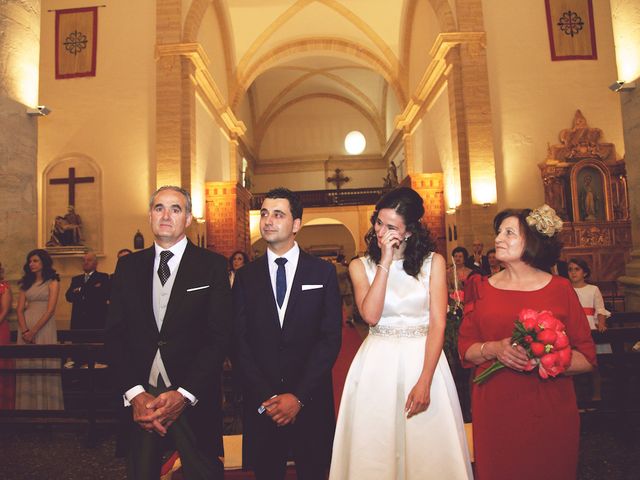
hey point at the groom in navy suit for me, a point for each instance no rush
(287, 322)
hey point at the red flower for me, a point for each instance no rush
(529, 318)
(548, 337)
(562, 341)
(546, 320)
(537, 349)
(457, 296)
(548, 348)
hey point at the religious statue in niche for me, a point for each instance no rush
(586, 183)
(391, 180)
(66, 230)
(590, 195)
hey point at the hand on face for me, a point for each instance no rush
(391, 233)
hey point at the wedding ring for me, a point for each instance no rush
(514, 344)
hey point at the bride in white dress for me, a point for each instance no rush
(399, 416)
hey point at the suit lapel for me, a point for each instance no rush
(186, 269)
(145, 280)
(265, 286)
(296, 289)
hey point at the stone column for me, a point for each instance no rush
(631, 124)
(625, 16)
(175, 100)
(19, 57)
(471, 130)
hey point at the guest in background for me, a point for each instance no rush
(458, 273)
(593, 305)
(123, 251)
(39, 289)
(514, 411)
(561, 268)
(477, 261)
(89, 294)
(237, 260)
(494, 264)
(7, 380)
(346, 291)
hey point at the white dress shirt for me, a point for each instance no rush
(290, 267)
(161, 295)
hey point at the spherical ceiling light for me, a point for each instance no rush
(354, 143)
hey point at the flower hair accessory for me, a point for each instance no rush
(545, 220)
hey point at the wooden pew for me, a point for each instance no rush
(623, 332)
(89, 353)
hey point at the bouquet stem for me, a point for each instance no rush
(480, 379)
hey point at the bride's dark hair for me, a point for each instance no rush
(409, 205)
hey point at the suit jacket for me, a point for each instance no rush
(89, 310)
(483, 269)
(296, 358)
(193, 337)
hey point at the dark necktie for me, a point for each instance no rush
(163, 270)
(281, 281)
(86, 277)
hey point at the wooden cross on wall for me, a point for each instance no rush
(72, 180)
(338, 178)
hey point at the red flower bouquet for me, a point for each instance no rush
(543, 337)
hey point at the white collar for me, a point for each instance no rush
(291, 255)
(177, 248)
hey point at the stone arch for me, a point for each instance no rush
(323, 44)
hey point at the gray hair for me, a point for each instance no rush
(174, 188)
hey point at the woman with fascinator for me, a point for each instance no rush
(400, 417)
(517, 415)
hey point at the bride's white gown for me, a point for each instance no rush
(374, 440)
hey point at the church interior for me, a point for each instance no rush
(478, 105)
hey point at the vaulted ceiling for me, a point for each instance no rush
(284, 52)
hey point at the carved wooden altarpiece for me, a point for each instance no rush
(586, 183)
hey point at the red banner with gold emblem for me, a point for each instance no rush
(572, 34)
(76, 42)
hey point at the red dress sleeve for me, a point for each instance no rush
(577, 326)
(469, 332)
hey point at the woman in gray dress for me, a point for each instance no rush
(36, 308)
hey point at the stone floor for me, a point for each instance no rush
(58, 452)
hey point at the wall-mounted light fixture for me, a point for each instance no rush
(620, 85)
(39, 111)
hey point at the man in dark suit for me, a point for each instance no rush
(477, 261)
(167, 331)
(89, 294)
(287, 321)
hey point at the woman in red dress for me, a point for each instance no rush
(7, 380)
(523, 427)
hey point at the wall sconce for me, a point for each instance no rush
(39, 111)
(620, 85)
(486, 205)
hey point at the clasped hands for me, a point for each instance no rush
(513, 356)
(282, 409)
(156, 414)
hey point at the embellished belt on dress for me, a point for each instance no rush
(403, 332)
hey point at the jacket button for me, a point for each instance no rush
(161, 343)
(282, 380)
